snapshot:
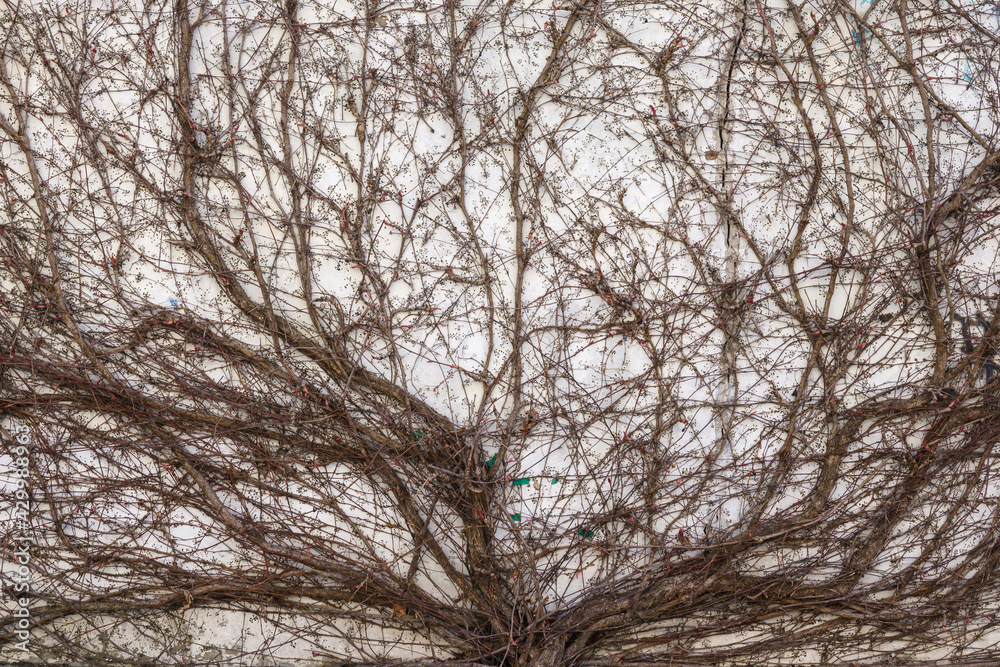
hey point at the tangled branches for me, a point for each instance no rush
(501, 334)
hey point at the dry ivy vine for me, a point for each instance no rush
(574, 333)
